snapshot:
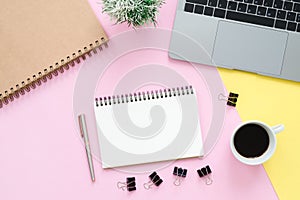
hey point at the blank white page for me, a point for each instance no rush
(150, 127)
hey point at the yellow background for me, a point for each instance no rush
(273, 101)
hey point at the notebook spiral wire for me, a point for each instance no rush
(143, 96)
(50, 72)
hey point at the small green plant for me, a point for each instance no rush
(134, 12)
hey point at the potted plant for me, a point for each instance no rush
(135, 13)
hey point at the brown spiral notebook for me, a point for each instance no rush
(40, 39)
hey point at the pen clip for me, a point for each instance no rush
(81, 120)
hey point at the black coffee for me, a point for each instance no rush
(251, 141)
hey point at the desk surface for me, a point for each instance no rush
(267, 99)
(271, 100)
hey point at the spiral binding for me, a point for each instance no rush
(48, 74)
(144, 96)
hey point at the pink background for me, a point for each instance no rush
(42, 157)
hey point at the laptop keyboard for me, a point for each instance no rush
(271, 13)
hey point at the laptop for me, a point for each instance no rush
(259, 36)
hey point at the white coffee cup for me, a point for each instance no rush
(272, 131)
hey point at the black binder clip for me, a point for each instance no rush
(129, 184)
(154, 180)
(180, 173)
(231, 99)
(205, 172)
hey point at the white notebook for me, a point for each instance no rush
(148, 127)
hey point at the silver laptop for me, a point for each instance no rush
(259, 36)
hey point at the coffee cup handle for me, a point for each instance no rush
(278, 128)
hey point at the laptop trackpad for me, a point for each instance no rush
(249, 48)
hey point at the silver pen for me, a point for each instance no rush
(84, 135)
